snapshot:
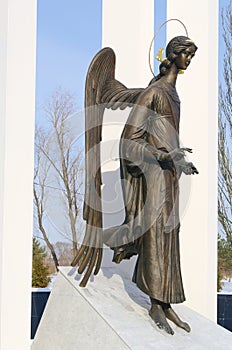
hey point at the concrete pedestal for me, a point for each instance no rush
(112, 313)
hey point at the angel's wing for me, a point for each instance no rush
(102, 91)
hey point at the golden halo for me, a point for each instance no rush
(157, 32)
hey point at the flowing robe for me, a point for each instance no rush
(151, 192)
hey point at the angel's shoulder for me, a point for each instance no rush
(150, 94)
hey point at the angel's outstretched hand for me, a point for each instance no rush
(175, 155)
(179, 153)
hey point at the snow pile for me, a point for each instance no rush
(226, 286)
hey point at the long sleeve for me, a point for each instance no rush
(134, 148)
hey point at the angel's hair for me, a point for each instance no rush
(174, 48)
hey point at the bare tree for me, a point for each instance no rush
(64, 251)
(63, 157)
(224, 147)
(41, 170)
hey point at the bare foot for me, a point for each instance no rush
(172, 316)
(158, 316)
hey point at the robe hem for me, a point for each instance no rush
(158, 297)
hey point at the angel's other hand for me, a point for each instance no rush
(189, 169)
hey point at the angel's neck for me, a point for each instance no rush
(171, 75)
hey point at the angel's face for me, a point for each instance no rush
(183, 60)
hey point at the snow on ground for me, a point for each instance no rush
(226, 286)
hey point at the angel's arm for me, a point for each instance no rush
(135, 148)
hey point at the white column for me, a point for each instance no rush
(198, 89)
(17, 92)
(128, 27)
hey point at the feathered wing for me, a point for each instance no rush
(102, 91)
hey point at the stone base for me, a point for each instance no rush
(112, 313)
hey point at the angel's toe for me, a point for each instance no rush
(186, 327)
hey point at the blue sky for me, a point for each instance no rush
(68, 35)
(160, 16)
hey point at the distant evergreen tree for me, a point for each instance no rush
(225, 257)
(40, 270)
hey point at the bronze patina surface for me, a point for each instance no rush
(151, 163)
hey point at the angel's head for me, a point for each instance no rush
(180, 51)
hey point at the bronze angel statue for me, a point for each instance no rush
(151, 163)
